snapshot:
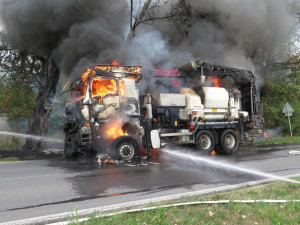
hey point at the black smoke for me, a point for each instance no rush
(71, 31)
(79, 33)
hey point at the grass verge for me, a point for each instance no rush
(284, 140)
(10, 159)
(230, 213)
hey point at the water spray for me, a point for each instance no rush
(215, 163)
(38, 138)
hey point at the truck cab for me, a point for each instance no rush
(102, 112)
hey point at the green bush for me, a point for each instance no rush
(297, 131)
(274, 96)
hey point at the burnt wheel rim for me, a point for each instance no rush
(126, 151)
(205, 141)
(230, 141)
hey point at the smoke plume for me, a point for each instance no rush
(79, 33)
(234, 32)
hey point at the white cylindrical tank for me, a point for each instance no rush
(191, 97)
(215, 97)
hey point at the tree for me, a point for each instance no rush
(283, 86)
(151, 12)
(38, 73)
(17, 99)
(47, 89)
(138, 17)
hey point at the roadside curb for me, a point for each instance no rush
(269, 147)
(62, 218)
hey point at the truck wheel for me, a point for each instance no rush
(125, 148)
(229, 141)
(205, 141)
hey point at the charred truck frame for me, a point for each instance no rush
(113, 111)
(103, 112)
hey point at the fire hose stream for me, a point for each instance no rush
(39, 138)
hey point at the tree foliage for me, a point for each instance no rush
(279, 90)
(17, 99)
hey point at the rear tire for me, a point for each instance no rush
(229, 141)
(205, 141)
(125, 148)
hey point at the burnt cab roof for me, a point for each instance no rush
(105, 71)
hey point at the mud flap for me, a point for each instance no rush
(155, 139)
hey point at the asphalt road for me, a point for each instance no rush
(37, 188)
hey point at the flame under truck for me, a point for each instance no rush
(114, 112)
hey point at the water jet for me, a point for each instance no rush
(177, 155)
(34, 137)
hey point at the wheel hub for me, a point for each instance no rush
(205, 142)
(229, 141)
(126, 151)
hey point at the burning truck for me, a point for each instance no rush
(113, 111)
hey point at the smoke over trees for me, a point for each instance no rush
(77, 32)
(70, 35)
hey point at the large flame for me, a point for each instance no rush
(115, 129)
(103, 87)
(115, 132)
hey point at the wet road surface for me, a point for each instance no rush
(38, 188)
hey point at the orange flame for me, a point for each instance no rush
(116, 63)
(266, 136)
(104, 68)
(115, 130)
(136, 69)
(106, 161)
(87, 73)
(215, 82)
(132, 69)
(103, 87)
(122, 87)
